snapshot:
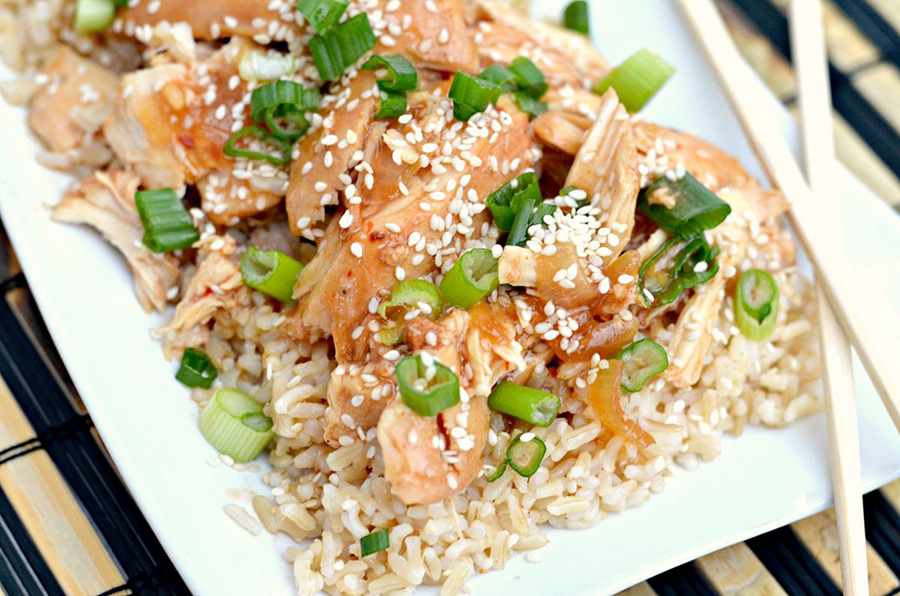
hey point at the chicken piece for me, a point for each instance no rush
(492, 349)
(356, 397)
(213, 288)
(428, 459)
(409, 216)
(566, 58)
(66, 113)
(574, 101)
(561, 130)
(105, 200)
(323, 159)
(606, 167)
(518, 267)
(260, 19)
(171, 124)
(662, 149)
(432, 33)
(693, 334)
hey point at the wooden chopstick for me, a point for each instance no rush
(811, 67)
(834, 275)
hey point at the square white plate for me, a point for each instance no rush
(763, 480)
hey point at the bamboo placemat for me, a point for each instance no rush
(69, 526)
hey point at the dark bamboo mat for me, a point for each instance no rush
(69, 526)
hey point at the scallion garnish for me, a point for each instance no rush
(400, 74)
(197, 369)
(529, 77)
(283, 94)
(393, 105)
(637, 79)
(414, 293)
(756, 304)
(260, 134)
(676, 267)
(525, 456)
(501, 468)
(271, 272)
(543, 210)
(322, 14)
(471, 95)
(234, 423)
(94, 16)
(427, 389)
(500, 76)
(531, 106)
(504, 202)
(374, 543)
(525, 403)
(471, 278)
(518, 232)
(642, 359)
(335, 50)
(167, 224)
(577, 17)
(683, 206)
(286, 123)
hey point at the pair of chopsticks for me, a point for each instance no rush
(813, 215)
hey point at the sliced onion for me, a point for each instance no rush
(258, 65)
(605, 398)
(582, 294)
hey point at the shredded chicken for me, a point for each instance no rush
(213, 289)
(258, 19)
(171, 125)
(68, 111)
(389, 232)
(693, 334)
(606, 167)
(105, 200)
(561, 130)
(567, 59)
(426, 459)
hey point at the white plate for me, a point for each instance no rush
(765, 479)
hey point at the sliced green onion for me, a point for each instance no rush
(531, 106)
(473, 277)
(543, 210)
(286, 123)
(196, 370)
(577, 17)
(518, 232)
(683, 206)
(335, 50)
(643, 359)
(756, 304)
(501, 468)
(412, 293)
(234, 423)
(401, 74)
(525, 403)
(94, 16)
(637, 79)
(529, 77)
(271, 272)
(322, 14)
(504, 201)
(500, 76)
(374, 543)
(675, 267)
(167, 224)
(393, 105)
(282, 93)
(258, 133)
(427, 390)
(471, 95)
(525, 456)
